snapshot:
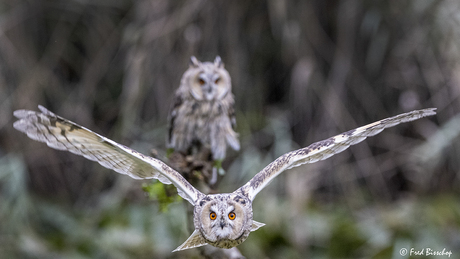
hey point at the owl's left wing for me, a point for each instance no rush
(324, 149)
(62, 134)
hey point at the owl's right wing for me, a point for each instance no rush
(62, 134)
(324, 149)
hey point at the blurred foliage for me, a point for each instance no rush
(301, 71)
(164, 194)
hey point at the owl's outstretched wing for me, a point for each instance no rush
(63, 134)
(324, 149)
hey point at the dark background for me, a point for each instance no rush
(302, 71)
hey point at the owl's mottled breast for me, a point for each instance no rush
(207, 122)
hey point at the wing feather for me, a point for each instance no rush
(324, 149)
(62, 134)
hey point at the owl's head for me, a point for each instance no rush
(224, 219)
(207, 81)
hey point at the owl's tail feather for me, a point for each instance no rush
(232, 140)
(195, 240)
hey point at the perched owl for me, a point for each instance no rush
(222, 220)
(202, 112)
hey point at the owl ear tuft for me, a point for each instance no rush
(195, 240)
(218, 62)
(194, 62)
(256, 225)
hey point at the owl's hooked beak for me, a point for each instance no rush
(222, 224)
(209, 89)
(209, 92)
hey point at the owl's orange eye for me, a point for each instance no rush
(201, 81)
(217, 81)
(212, 216)
(232, 215)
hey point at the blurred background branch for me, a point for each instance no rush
(301, 71)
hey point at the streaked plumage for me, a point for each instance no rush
(202, 112)
(222, 220)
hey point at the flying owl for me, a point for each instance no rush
(202, 112)
(222, 220)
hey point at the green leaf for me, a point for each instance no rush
(164, 194)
